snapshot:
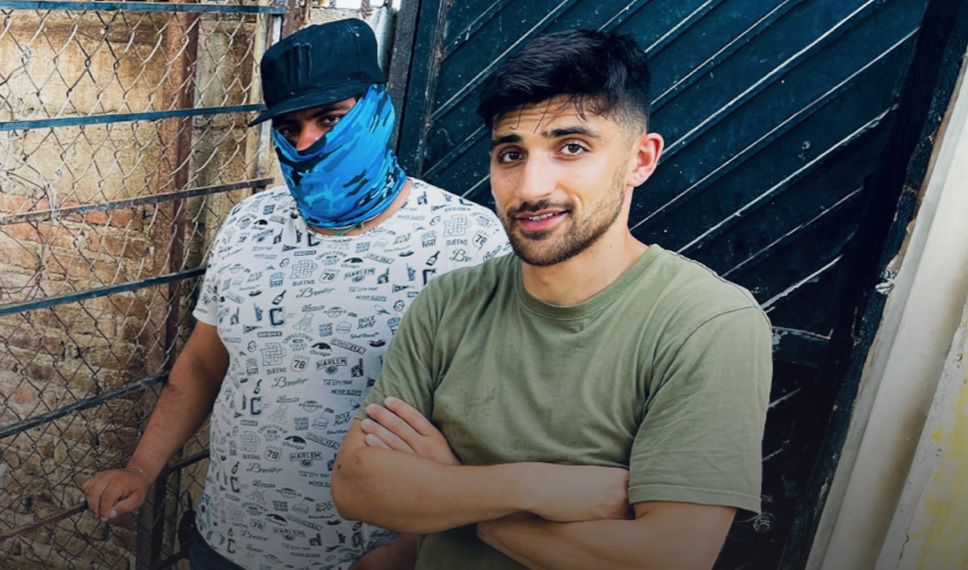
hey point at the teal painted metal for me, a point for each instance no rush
(55, 300)
(140, 7)
(85, 404)
(778, 116)
(45, 215)
(125, 117)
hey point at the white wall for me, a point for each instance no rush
(886, 492)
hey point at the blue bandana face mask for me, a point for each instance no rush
(350, 175)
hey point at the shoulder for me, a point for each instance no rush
(252, 215)
(692, 293)
(471, 285)
(276, 200)
(444, 202)
(696, 318)
(467, 233)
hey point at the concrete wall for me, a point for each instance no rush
(929, 531)
(898, 499)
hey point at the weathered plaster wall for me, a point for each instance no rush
(929, 530)
(907, 373)
(932, 524)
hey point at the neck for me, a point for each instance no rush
(373, 222)
(590, 272)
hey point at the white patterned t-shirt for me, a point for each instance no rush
(306, 319)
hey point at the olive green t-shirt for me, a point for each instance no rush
(666, 373)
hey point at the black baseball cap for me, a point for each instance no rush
(318, 65)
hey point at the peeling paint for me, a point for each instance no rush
(944, 522)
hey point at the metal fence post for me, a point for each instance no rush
(181, 45)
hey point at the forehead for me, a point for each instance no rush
(548, 116)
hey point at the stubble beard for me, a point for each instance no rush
(575, 237)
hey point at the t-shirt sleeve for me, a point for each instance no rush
(206, 309)
(407, 371)
(701, 438)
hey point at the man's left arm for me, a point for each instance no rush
(680, 522)
(695, 461)
(663, 536)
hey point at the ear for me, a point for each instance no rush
(646, 151)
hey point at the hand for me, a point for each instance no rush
(113, 493)
(572, 493)
(401, 427)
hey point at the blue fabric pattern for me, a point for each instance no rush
(350, 175)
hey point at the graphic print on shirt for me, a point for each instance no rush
(306, 319)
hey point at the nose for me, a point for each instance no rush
(538, 180)
(308, 134)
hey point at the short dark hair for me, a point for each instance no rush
(601, 72)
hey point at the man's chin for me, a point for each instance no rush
(532, 253)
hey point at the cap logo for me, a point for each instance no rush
(299, 62)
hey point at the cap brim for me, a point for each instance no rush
(312, 99)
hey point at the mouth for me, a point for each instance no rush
(542, 220)
(540, 217)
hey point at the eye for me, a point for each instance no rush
(509, 155)
(573, 149)
(288, 132)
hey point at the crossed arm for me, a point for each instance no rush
(397, 471)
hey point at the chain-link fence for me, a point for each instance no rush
(123, 143)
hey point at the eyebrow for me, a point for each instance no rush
(552, 134)
(505, 139)
(568, 131)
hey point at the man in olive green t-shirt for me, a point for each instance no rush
(592, 401)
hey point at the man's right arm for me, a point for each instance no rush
(185, 402)
(407, 492)
(404, 492)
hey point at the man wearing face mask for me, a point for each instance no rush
(306, 284)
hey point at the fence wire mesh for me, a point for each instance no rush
(123, 144)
